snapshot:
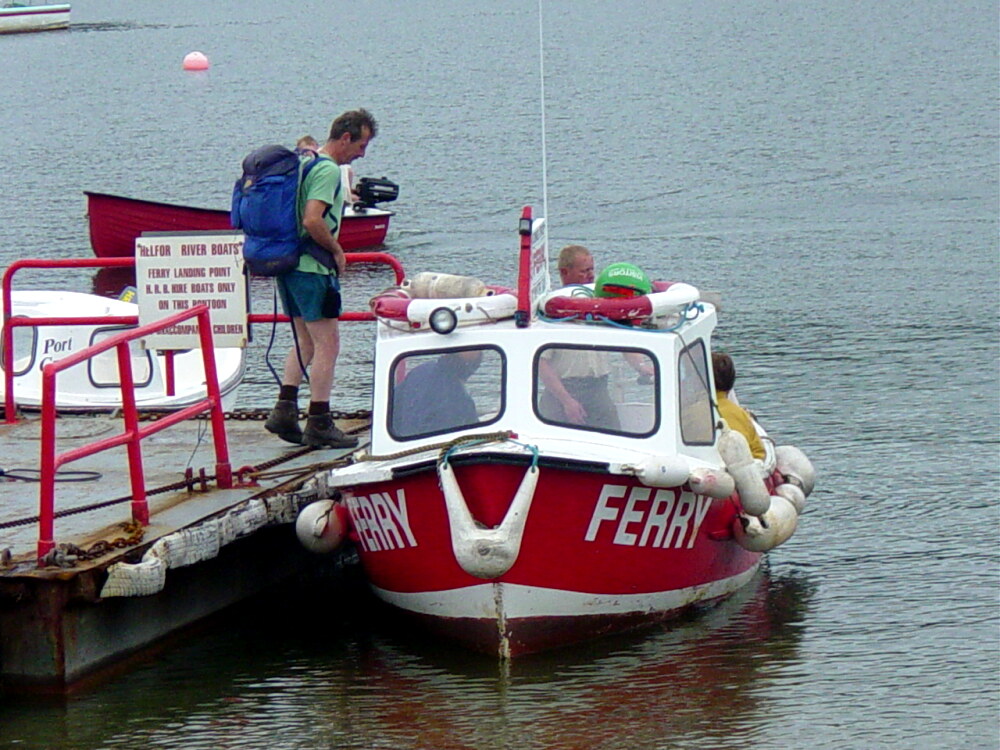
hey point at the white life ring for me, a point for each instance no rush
(468, 310)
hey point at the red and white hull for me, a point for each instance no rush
(598, 554)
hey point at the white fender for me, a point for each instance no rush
(320, 527)
(793, 494)
(664, 471)
(735, 451)
(443, 286)
(780, 519)
(712, 482)
(486, 553)
(795, 467)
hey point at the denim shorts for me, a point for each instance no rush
(310, 296)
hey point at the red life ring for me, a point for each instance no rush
(666, 297)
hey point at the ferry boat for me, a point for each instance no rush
(504, 526)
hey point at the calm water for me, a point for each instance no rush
(831, 168)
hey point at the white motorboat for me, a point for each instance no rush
(94, 385)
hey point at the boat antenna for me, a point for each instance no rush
(541, 78)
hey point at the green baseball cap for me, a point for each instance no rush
(622, 280)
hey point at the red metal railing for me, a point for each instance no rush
(134, 432)
(10, 323)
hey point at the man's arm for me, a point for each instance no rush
(314, 223)
(573, 409)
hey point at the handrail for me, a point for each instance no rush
(134, 432)
(7, 337)
(131, 438)
(347, 315)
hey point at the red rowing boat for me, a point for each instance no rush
(115, 222)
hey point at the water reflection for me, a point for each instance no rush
(638, 691)
(294, 667)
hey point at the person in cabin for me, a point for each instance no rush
(576, 265)
(576, 380)
(433, 398)
(735, 416)
(310, 294)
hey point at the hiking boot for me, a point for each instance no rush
(321, 432)
(283, 421)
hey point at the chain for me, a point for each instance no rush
(254, 415)
(67, 555)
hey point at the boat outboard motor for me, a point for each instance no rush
(372, 190)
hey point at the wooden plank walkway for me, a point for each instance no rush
(56, 629)
(166, 455)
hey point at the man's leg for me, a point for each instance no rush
(283, 420)
(302, 349)
(320, 430)
(324, 337)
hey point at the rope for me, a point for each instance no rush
(446, 454)
(487, 437)
(188, 482)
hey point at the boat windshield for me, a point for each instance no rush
(697, 425)
(433, 392)
(23, 355)
(103, 367)
(605, 389)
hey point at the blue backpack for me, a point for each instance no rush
(265, 207)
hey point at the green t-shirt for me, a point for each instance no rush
(321, 184)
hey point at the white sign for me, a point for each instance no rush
(540, 283)
(175, 271)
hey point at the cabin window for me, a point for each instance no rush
(432, 393)
(23, 355)
(697, 425)
(604, 389)
(103, 367)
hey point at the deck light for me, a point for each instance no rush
(443, 320)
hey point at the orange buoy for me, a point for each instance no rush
(195, 61)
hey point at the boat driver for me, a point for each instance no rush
(576, 380)
(433, 398)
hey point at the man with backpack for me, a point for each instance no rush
(310, 293)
